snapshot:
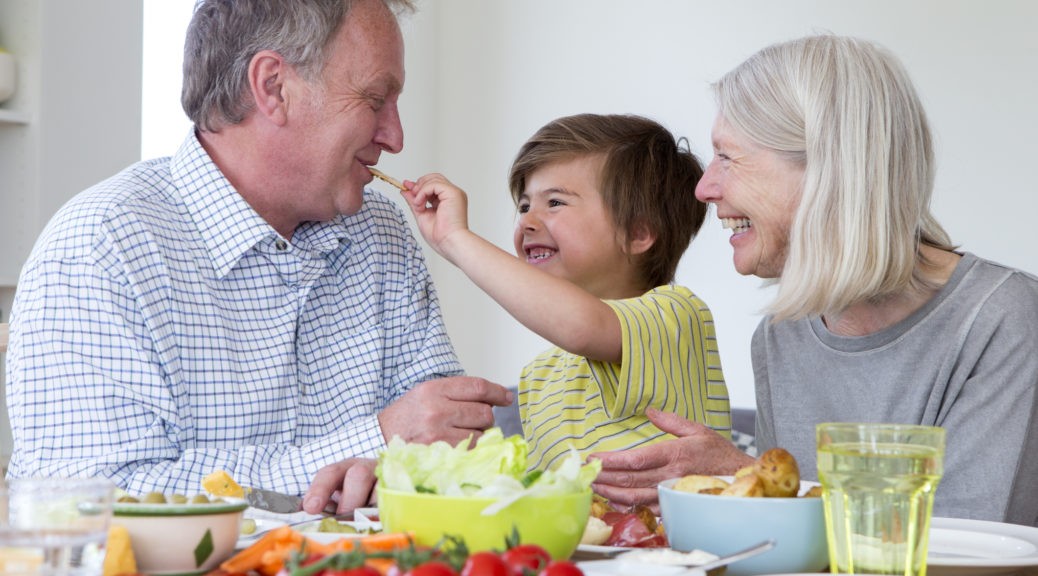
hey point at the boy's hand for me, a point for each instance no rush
(439, 207)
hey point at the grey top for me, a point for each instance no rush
(966, 361)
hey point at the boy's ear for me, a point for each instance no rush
(267, 83)
(640, 239)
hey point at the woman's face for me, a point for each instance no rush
(756, 192)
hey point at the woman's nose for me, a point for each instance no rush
(708, 188)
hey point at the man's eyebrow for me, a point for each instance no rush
(390, 82)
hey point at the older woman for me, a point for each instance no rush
(823, 169)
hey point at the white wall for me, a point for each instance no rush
(484, 75)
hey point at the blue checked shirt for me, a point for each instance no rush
(163, 330)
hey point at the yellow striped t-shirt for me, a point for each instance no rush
(670, 361)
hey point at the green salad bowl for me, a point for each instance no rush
(554, 522)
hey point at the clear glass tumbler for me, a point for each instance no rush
(54, 526)
(878, 483)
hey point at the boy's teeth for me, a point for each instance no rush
(737, 225)
(540, 254)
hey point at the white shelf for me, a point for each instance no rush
(12, 117)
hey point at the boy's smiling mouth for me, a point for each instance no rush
(538, 253)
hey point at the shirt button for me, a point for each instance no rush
(281, 245)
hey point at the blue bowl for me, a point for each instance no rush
(725, 524)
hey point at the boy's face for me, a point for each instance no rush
(565, 229)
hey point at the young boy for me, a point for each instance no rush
(606, 209)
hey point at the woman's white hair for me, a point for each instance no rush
(845, 111)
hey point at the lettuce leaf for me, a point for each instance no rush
(494, 468)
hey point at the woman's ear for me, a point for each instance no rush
(267, 83)
(640, 239)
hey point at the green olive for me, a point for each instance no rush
(333, 525)
(154, 498)
(126, 498)
(199, 499)
(178, 499)
(248, 526)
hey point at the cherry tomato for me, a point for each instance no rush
(526, 557)
(485, 564)
(434, 568)
(561, 568)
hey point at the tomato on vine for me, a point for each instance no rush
(526, 557)
(485, 564)
(561, 568)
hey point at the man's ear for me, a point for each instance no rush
(268, 73)
(640, 239)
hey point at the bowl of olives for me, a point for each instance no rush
(177, 534)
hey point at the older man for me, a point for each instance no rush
(245, 304)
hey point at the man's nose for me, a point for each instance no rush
(390, 133)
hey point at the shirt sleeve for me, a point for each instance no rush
(670, 359)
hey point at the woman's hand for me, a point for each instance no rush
(630, 476)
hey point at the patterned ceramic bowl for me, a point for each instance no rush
(180, 538)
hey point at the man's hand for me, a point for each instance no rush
(448, 409)
(350, 481)
(630, 476)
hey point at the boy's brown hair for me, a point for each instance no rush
(647, 180)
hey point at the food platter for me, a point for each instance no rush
(329, 537)
(365, 521)
(961, 547)
(262, 525)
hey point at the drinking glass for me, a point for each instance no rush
(54, 526)
(878, 482)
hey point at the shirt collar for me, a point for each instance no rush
(227, 225)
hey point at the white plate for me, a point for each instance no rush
(596, 552)
(329, 537)
(620, 568)
(369, 515)
(960, 547)
(262, 525)
(601, 549)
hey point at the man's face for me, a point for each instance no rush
(348, 116)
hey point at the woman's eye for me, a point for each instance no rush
(523, 208)
(553, 203)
